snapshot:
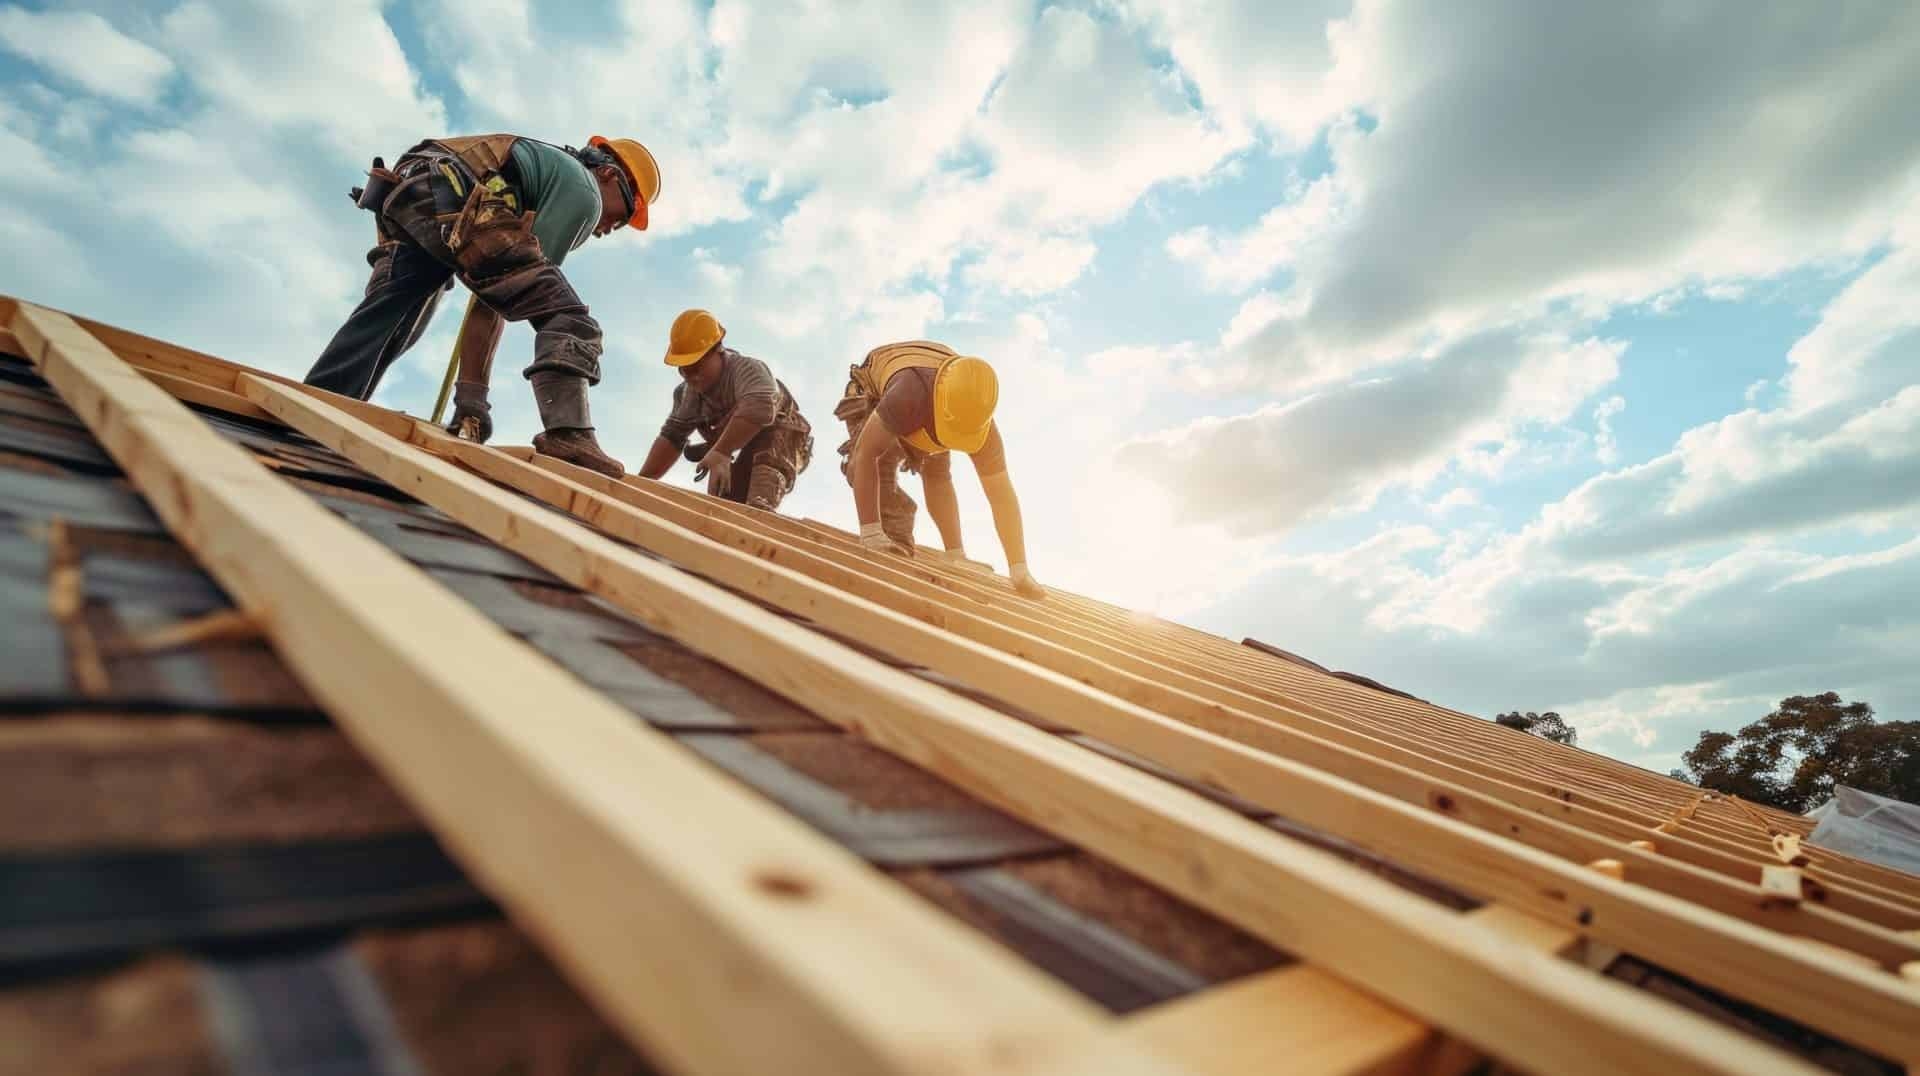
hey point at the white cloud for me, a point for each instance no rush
(1338, 449)
(1260, 62)
(1523, 156)
(335, 70)
(1605, 448)
(85, 49)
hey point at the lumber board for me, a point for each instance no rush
(1299, 1019)
(681, 902)
(1745, 960)
(1555, 799)
(188, 390)
(1512, 1001)
(1742, 897)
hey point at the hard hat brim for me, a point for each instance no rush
(688, 358)
(968, 441)
(628, 164)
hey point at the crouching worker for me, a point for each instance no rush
(910, 406)
(755, 441)
(499, 212)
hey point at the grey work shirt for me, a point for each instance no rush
(746, 389)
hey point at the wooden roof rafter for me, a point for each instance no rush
(818, 568)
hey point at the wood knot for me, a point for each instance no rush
(783, 884)
(1444, 802)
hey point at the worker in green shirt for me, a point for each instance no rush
(500, 212)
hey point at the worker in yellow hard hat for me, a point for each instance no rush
(744, 415)
(910, 406)
(500, 212)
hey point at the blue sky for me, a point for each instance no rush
(1518, 355)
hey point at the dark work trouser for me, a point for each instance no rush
(774, 459)
(500, 262)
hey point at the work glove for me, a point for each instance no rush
(719, 470)
(1025, 583)
(695, 451)
(472, 416)
(874, 537)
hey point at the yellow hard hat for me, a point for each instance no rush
(694, 333)
(641, 169)
(965, 391)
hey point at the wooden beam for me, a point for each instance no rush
(1523, 1006)
(714, 929)
(1183, 691)
(1301, 1020)
(1389, 809)
(187, 390)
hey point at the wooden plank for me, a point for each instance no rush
(1303, 1021)
(188, 390)
(1742, 898)
(1757, 964)
(687, 907)
(1514, 1002)
(1569, 801)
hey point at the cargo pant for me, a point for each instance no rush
(897, 509)
(491, 248)
(775, 458)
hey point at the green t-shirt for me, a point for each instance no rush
(561, 191)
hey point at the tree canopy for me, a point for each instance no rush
(1793, 757)
(1547, 726)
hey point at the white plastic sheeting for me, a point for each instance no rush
(1876, 828)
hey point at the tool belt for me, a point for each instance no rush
(478, 218)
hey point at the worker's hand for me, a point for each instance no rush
(719, 468)
(873, 537)
(1026, 584)
(472, 416)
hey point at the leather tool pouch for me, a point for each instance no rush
(492, 238)
(380, 184)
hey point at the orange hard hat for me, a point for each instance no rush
(643, 173)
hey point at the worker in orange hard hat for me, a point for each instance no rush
(910, 406)
(500, 212)
(756, 442)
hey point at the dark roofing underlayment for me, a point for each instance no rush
(186, 850)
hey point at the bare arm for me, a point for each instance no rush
(660, 458)
(740, 429)
(1005, 504)
(864, 469)
(942, 504)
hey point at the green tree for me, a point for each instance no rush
(1793, 757)
(1547, 726)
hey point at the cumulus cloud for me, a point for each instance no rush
(333, 70)
(1339, 449)
(1261, 63)
(1517, 155)
(86, 50)
(1605, 448)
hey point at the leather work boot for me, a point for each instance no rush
(579, 447)
(562, 400)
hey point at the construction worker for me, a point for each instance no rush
(910, 406)
(743, 413)
(500, 212)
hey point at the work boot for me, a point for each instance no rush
(562, 400)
